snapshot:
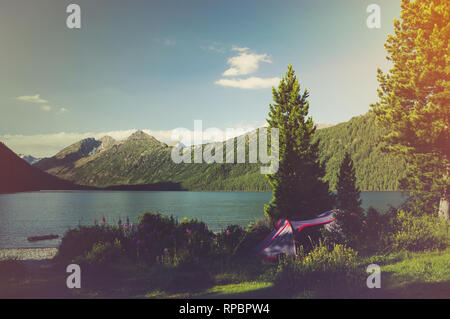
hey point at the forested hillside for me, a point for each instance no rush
(375, 170)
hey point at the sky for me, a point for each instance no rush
(160, 65)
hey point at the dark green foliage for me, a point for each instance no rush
(156, 236)
(375, 170)
(101, 256)
(425, 183)
(417, 233)
(394, 231)
(326, 268)
(298, 189)
(229, 239)
(157, 239)
(195, 238)
(376, 227)
(366, 233)
(254, 234)
(348, 195)
(78, 242)
(413, 101)
(346, 230)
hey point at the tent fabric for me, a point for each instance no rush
(324, 218)
(279, 241)
(282, 239)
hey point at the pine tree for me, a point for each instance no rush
(298, 188)
(348, 195)
(414, 99)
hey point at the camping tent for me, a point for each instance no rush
(282, 239)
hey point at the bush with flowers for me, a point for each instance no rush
(79, 241)
(228, 240)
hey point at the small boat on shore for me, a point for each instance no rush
(45, 237)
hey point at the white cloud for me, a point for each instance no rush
(239, 49)
(245, 62)
(38, 100)
(249, 83)
(31, 98)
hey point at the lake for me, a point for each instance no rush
(52, 212)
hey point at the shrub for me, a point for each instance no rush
(162, 239)
(365, 233)
(195, 238)
(155, 236)
(418, 233)
(347, 229)
(376, 228)
(77, 242)
(254, 234)
(101, 255)
(228, 240)
(327, 267)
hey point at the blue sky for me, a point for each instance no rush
(159, 65)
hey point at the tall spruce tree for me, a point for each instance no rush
(298, 188)
(348, 195)
(414, 99)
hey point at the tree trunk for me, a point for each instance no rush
(445, 201)
(444, 208)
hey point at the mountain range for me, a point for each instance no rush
(16, 175)
(143, 162)
(29, 158)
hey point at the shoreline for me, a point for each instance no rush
(110, 189)
(27, 253)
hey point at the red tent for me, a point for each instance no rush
(282, 239)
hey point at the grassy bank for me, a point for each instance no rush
(404, 275)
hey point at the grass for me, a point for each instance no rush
(252, 289)
(403, 275)
(424, 267)
(420, 275)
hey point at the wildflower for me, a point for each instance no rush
(188, 231)
(103, 220)
(125, 226)
(95, 221)
(166, 251)
(228, 231)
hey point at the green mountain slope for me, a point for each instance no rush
(141, 159)
(375, 170)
